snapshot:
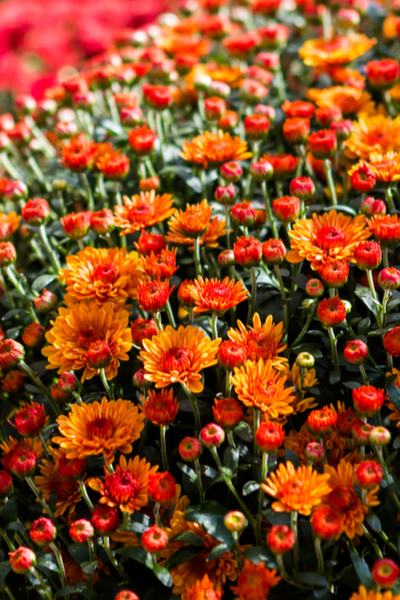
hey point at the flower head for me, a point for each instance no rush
(203, 589)
(213, 149)
(101, 274)
(161, 407)
(153, 295)
(329, 235)
(255, 581)
(126, 488)
(143, 210)
(99, 428)
(216, 296)
(300, 489)
(391, 341)
(331, 311)
(52, 480)
(257, 384)
(180, 355)
(339, 51)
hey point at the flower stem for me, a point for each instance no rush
(38, 382)
(85, 494)
(302, 333)
(170, 315)
(163, 446)
(389, 198)
(88, 190)
(256, 452)
(214, 325)
(197, 257)
(199, 481)
(293, 524)
(18, 286)
(50, 251)
(44, 587)
(334, 349)
(39, 496)
(114, 561)
(109, 392)
(253, 294)
(373, 542)
(329, 179)
(320, 556)
(284, 302)
(197, 419)
(269, 209)
(60, 563)
(264, 469)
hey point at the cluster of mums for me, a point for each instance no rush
(199, 301)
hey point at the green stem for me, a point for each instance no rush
(85, 494)
(364, 374)
(256, 451)
(329, 179)
(9, 167)
(252, 302)
(61, 568)
(163, 446)
(264, 469)
(38, 382)
(114, 561)
(269, 209)
(320, 556)
(88, 190)
(197, 257)
(6, 290)
(371, 540)
(44, 587)
(18, 286)
(334, 349)
(117, 194)
(199, 481)
(228, 226)
(192, 398)
(389, 199)
(8, 591)
(39, 496)
(284, 302)
(214, 325)
(38, 172)
(109, 392)
(170, 315)
(293, 524)
(49, 249)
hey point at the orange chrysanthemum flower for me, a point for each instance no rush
(195, 222)
(162, 265)
(213, 149)
(255, 581)
(51, 480)
(339, 51)
(128, 487)
(174, 356)
(203, 589)
(385, 167)
(364, 594)
(328, 235)
(385, 228)
(161, 407)
(185, 575)
(258, 385)
(100, 428)
(213, 295)
(143, 210)
(233, 76)
(348, 99)
(9, 223)
(263, 340)
(300, 489)
(101, 274)
(78, 327)
(344, 500)
(373, 134)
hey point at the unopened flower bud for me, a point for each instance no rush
(305, 360)
(212, 436)
(235, 521)
(190, 449)
(380, 436)
(45, 302)
(22, 560)
(226, 258)
(226, 195)
(314, 452)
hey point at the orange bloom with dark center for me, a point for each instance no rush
(329, 235)
(161, 407)
(300, 489)
(128, 487)
(99, 428)
(101, 274)
(141, 211)
(203, 589)
(284, 164)
(385, 228)
(160, 266)
(334, 272)
(179, 356)
(258, 385)
(373, 134)
(152, 296)
(213, 149)
(339, 51)
(9, 223)
(51, 480)
(263, 340)
(391, 341)
(78, 327)
(255, 581)
(78, 154)
(344, 500)
(213, 295)
(349, 100)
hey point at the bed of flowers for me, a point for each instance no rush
(200, 322)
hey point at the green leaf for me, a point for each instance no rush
(374, 522)
(292, 457)
(244, 431)
(312, 579)
(259, 554)
(250, 487)
(334, 376)
(79, 552)
(362, 570)
(183, 555)
(364, 325)
(188, 471)
(231, 458)
(77, 588)
(218, 551)
(15, 526)
(394, 394)
(11, 313)
(9, 512)
(163, 575)
(189, 537)
(5, 568)
(47, 561)
(137, 554)
(41, 282)
(209, 510)
(365, 296)
(342, 208)
(89, 567)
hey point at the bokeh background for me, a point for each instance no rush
(41, 39)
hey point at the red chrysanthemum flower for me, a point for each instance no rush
(391, 341)
(153, 295)
(141, 140)
(162, 487)
(160, 266)
(76, 225)
(331, 311)
(321, 422)
(368, 255)
(78, 154)
(31, 419)
(213, 295)
(286, 209)
(385, 228)
(334, 273)
(326, 523)
(280, 539)
(143, 329)
(227, 412)
(363, 178)
(247, 251)
(284, 165)
(160, 407)
(298, 108)
(274, 252)
(367, 399)
(269, 436)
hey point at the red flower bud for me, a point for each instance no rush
(43, 532)
(154, 539)
(274, 252)
(368, 400)
(6, 485)
(11, 354)
(36, 212)
(228, 121)
(302, 187)
(368, 255)
(389, 278)
(99, 355)
(243, 214)
(368, 475)
(33, 335)
(31, 419)
(363, 179)
(382, 74)
(372, 206)
(256, 127)
(22, 463)
(327, 115)
(296, 131)
(286, 209)
(321, 422)
(76, 225)
(190, 449)
(45, 302)
(322, 143)
(214, 108)
(248, 251)
(8, 254)
(227, 412)
(81, 531)
(261, 171)
(342, 129)
(269, 436)
(131, 116)
(385, 573)
(22, 560)
(280, 539)
(226, 195)
(356, 352)
(231, 354)
(212, 436)
(315, 288)
(326, 523)
(104, 520)
(331, 311)
(231, 172)
(314, 452)
(162, 487)
(142, 140)
(226, 258)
